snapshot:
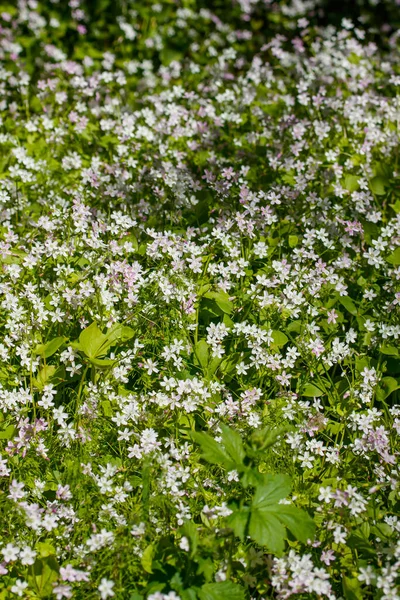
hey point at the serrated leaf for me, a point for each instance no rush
(238, 521)
(266, 529)
(213, 452)
(233, 444)
(297, 521)
(276, 488)
(224, 590)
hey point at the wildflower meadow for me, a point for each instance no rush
(199, 299)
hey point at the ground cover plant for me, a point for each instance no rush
(199, 300)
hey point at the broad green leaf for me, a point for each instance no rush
(222, 301)
(213, 452)
(103, 363)
(297, 521)
(266, 529)
(95, 344)
(50, 347)
(394, 258)
(238, 521)
(147, 558)
(201, 352)
(377, 185)
(387, 385)
(189, 530)
(233, 443)
(350, 182)
(311, 391)
(42, 575)
(44, 376)
(276, 488)
(293, 241)
(224, 590)
(91, 340)
(8, 432)
(352, 588)
(348, 304)
(389, 350)
(45, 549)
(280, 338)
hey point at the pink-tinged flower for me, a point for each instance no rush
(332, 316)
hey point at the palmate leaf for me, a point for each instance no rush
(230, 453)
(233, 444)
(266, 529)
(276, 488)
(224, 590)
(269, 519)
(213, 452)
(298, 521)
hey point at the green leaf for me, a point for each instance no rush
(266, 529)
(311, 391)
(377, 185)
(233, 444)
(201, 352)
(387, 385)
(348, 304)
(189, 530)
(352, 588)
(44, 376)
(389, 350)
(45, 549)
(293, 241)
(91, 340)
(94, 343)
(213, 452)
(8, 432)
(297, 521)
(394, 258)
(50, 347)
(147, 558)
(238, 521)
(276, 488)
(224, 590)
(222, 301)
(42, 574)
(280, 339)
(350, 182)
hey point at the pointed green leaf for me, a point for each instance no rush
(297, 521)
(233, 444)
(276, 488)
(266, 529)
(213, 452)
(50, 347)
(224, 590)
